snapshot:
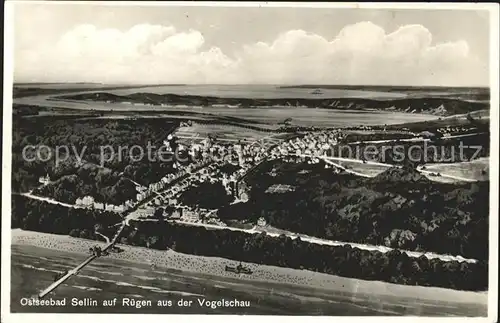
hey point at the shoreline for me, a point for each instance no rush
(214, 267)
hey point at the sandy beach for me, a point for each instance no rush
(215, 266)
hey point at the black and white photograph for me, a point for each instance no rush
(295, 159)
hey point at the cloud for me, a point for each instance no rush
(362, 53)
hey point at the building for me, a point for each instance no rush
(44, 179)
(145, 212)
(120, 208)
(176, 214)
(240, 190)
(87, 201)
(427, 135)
(190, 216)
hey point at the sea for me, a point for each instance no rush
(252, 91)
(260, 92)
(138, 288)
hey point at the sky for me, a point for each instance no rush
(221, 45)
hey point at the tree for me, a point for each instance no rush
(158, 214)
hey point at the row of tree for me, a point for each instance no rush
(394, 266)
(69, 188)
(33, 215)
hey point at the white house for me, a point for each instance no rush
(120, 208)
(88, 201)
(177, 214)
(44, 179)
(190, 216)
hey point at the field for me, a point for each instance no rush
(466, 170)
(313, 117)
(473, 169)
(227, 133)
(320, 117)
(358, 167)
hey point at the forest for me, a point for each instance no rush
(399, 208)
(205, 195)
(85, 140)
(33, 215)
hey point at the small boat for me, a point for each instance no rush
(239, 270)
(115, 249)
(317, 92)
(98, 252)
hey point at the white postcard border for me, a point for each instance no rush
(6, 316)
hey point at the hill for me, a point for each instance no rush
(399, 208)
(403, 174)
(436, 106)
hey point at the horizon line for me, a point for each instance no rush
(259, 84)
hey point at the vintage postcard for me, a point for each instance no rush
(307, 160)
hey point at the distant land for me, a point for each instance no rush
(307, 86)
(25, 89)
(27, 84)
(32, 89)
(436, 101)
(403, 88)
(435, 106)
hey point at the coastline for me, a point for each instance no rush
(214, 267)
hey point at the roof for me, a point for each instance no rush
(427, 133)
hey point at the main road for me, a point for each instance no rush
(320, 241)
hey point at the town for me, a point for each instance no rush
(219, 161)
